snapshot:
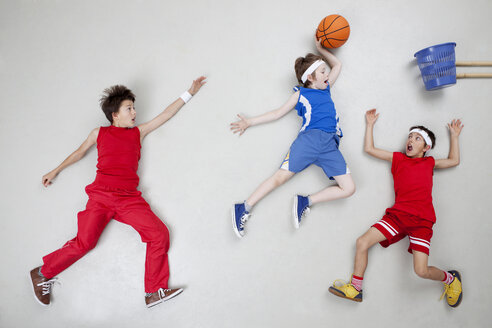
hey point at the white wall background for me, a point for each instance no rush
(56, 57)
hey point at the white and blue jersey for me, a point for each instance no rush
(318, 140)
(317, 110)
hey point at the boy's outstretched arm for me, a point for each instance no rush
(244, 123)
(334, 63)
(454, 148)
(371, 117)
(72, 158)
(170, 111)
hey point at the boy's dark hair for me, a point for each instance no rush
(112, 98)
(429, 132)
(302, 64)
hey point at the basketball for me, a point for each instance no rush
(333, 31)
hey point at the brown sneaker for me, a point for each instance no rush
(161, 295)
(42, 287)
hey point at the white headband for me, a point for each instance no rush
(424, 135)
(311, 69)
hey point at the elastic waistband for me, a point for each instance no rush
(104, 187)
(318, 131)
(117, 183)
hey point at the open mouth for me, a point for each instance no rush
(409, 147)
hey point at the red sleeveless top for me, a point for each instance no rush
(118, 155)
(413, 185)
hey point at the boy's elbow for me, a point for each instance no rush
(79, 154)
(277, 114)
(454, 161)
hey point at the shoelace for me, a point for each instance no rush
(343, 282)
(449, 292)
(48, 285)
(446, 289)
(162, 292)
(305, 212)
(243, 220)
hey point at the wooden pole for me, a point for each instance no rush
(474, 63)
(473, 75)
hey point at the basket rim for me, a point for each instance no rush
(434, 46)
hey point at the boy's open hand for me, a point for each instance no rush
(196, 85)
(48, 177)
(455, 127)
(240, 126)
(371, 116)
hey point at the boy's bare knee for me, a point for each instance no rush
(362, 244)
(280, 178)
(421, 271)
(350, 190)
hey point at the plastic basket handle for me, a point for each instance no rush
(474, 63)
(473, 75)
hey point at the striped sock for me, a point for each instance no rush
(357, 282)
(448, 278)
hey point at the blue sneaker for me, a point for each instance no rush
(300, 209)
(239, 218)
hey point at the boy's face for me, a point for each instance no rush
(125, 117)
(416, 146)
(320, 80)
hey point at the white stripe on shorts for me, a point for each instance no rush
(285, 163)
(419, 241)
(388, 227)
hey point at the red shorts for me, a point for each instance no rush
(395, 225)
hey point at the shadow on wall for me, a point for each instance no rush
(428, 96)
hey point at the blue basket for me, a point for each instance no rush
(437, 65)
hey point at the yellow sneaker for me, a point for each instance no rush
(453, 291)
(346, 290)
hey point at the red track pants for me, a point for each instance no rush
(126, 206)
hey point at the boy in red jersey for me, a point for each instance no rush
(114, 195)
(413, 212)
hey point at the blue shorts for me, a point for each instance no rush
(316, 147)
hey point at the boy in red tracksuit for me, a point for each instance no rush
(114, 195)
(412, 214)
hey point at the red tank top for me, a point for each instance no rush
(413, 185)
(118, 154)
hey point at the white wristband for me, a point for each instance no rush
(186, 96)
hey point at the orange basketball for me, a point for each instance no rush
(333, 31)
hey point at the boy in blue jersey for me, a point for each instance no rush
(317, 142)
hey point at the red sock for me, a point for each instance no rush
(357, 282)
(448, 278)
